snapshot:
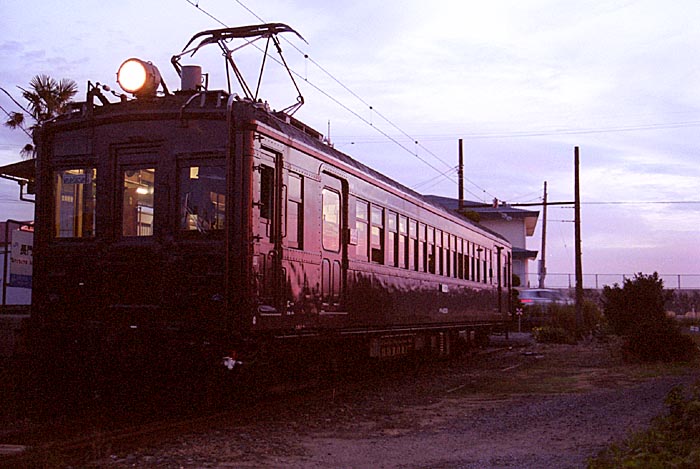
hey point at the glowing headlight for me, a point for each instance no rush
(139, 78)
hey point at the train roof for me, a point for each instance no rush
(313, 138)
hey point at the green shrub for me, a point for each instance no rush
(637, 313)
(672, 441)
(664, 342)
(553, 335)
(563, 319)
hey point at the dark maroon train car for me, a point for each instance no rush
(200, 220)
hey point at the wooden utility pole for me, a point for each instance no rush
(461, 176)
(577, 236)
(543, 252)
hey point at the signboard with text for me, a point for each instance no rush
(21, 259)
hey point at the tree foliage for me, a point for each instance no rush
(46, 98)
(637, 312)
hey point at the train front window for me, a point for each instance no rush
(74, 203)
(137, 202)
(202, 195)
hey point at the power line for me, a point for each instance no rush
(569, 205)
(650, 202)
(336, 101)
(539, 133)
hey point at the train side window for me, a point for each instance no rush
(376, 236)
(392, 244)
(267, 191)
(431, 250)
(202, 197)
(479, 250)
(362, 227)
(439, 259)
(488, 262)
(74, 203)
(460, 258)
(331, 220)
(467, 260)
(295, 211)
(422, 249)
(403, 242)
(137, 201)
(413, 244)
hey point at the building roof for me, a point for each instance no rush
(21, 171)
(520, 253)
(489, 212)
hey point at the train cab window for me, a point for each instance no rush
(376, 237)
(74, 203)
(331, 220)
(392, 244)
(137, 202)
(202, 194)
(295, 211)
(362, 227)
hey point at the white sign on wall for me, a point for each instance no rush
(21, 259)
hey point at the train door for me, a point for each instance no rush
(268, 233)
(333, 244)
(133, 260)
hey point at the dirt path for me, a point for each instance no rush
(529, 407)
(522, 432)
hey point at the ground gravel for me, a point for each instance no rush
(482, 412)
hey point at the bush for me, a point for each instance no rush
(553, 335)
(558, 322)
(663, 343)
(637, 313)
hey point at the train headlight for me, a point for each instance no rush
(139, 78)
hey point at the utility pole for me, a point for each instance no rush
(461, 176)
(577, 236)
(543, 252)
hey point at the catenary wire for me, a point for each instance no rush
(347, 108)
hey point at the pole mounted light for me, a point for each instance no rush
(139, 78)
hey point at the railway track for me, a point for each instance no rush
(78, 441)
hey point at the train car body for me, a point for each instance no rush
(198, 219)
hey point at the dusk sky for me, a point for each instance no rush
(522, 83)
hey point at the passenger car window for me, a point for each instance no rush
(295, 211)
(331, 220)
(362, 227)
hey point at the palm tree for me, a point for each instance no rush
(47, 99)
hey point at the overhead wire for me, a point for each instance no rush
(385, 134)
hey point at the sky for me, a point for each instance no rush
(397, 83)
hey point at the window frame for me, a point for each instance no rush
(57, 200)
(184, 163)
